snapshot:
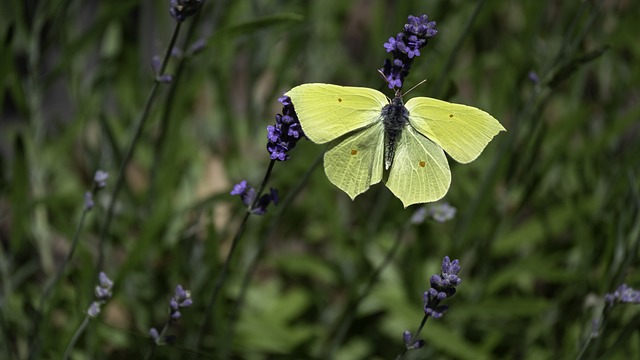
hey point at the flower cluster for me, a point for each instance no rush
(442, 212)
(405, 47)
(286, 133)
(623, 294)
(100, 178)
(180, 300)
(99, 181)
(180, 10)
(443, 286)
(103, 293)
(248, 196)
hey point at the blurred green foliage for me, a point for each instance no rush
(548, 217)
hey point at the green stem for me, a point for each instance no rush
(34, 348)
(75, 337)
(132, 145)
(160, 340)
(414, 337)
(350, 310)
(234, 313)
(444, 73)
(222, 275)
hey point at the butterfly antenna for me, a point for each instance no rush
(384, 77)
(416, 85)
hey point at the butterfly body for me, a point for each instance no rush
(373, 139)
(395, 117)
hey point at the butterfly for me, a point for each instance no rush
(376, 139)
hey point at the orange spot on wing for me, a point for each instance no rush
(354, 152)
(422, 164)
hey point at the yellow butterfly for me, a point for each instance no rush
(380, 139)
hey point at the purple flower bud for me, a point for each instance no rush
(154, 334)
(100, 178)
(391, 45)
(103, 289)
(419, 215)
(180, 10)
(104, 280)
(406, 336)
(173, 304)
(155, 64)
(180, 293)
(164, 79)
(239, 188)
(197, 46)
(274, 196)
(88, 200)
(186, 303)
(442, 212)
(176, 52)
(94, 309)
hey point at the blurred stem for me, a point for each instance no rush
(444, 74)
(34, 348)
(597, 329)
(349, 312)
(523, 124)
(160, 339)
(235, 311)
(171, 94)
(75, 337)
(222, 275)
(132, 145)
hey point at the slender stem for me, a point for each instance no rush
(265, 180)
(132, 145)
(34, 348)
(160, 338)
(414, 337)
(350, 310)
(75, 337)
(222, 275)
(234, 313)
(444, 73)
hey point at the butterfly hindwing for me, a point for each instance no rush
(327, 112)
(420, 171)
(356, 162)
(462, 131)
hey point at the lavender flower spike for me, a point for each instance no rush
(623, 294)
(103, 293)
(181, 299)
(284, 135)
(248, 196)
(405, 47)
(442, 287)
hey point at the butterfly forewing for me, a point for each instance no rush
(355, 163)
(327, 112)
(462, 131)
(420, 172)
